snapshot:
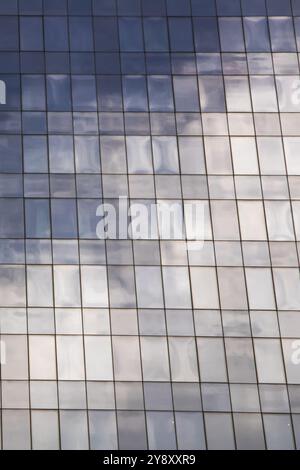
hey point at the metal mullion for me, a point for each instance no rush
(105, 243)
(25, 248)
(238, 221)
(77, 224)
(293, 222)
(52, 258)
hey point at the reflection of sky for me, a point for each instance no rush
(145, 342)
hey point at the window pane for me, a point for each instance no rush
(269, 361)
(70, 358)
(131, 38)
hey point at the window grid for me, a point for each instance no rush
(83, 304)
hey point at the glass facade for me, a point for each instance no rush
(146, 343)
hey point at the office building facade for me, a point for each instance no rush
(149, 342)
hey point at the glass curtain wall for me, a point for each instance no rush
(146, 343)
